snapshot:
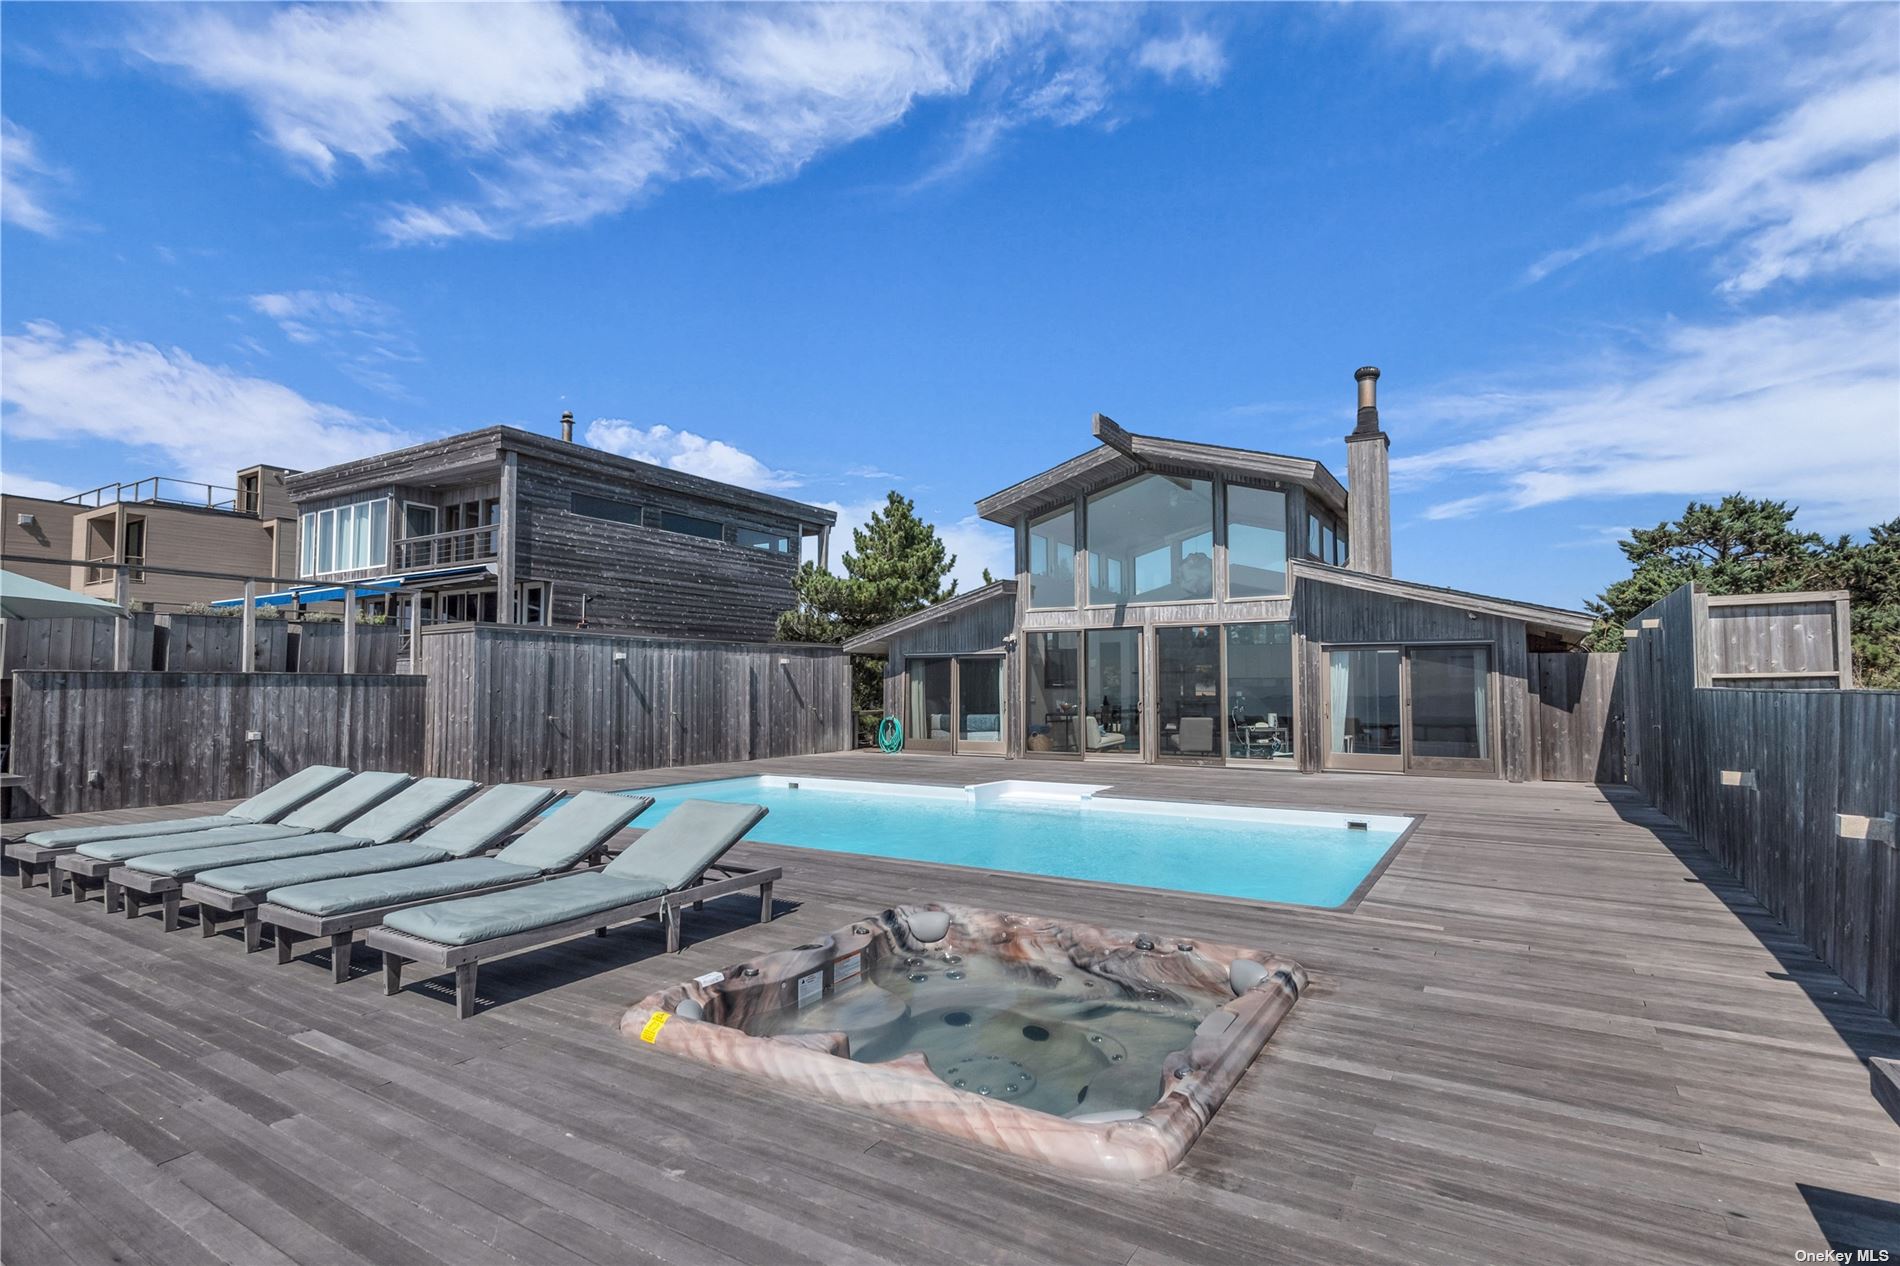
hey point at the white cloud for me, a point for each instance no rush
(1559, 46)
(1191, 55)
(683, 450)
(1802, 180)
(1802, 406)
(15, 484)
(363, 336)
(562, 116)
(24, 176)
(204, 421)
(977, 544)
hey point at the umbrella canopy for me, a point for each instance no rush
(23, 598)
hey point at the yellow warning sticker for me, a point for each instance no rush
(654, 1024)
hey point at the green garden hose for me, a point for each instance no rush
(890, 734)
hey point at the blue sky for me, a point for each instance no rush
(1608, 259)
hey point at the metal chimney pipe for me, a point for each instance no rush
(567, 424)
(1368, 380)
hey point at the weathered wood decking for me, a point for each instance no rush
(1552, 1032)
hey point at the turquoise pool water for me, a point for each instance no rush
(1310, 859)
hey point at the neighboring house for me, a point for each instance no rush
(505, 526)
(151, 525)
(1183, 602)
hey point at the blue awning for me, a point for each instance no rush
(334, 593)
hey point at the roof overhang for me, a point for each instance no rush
(1123, 455)
(877, 641)
(1550, 619)
(303, 595)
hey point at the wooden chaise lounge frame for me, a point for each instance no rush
(399, 948)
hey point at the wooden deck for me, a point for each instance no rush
(1552, 1032)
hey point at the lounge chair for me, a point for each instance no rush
(164, 874)
(349, 799)
(37, 851)
(339, 908)
(657, 874)
(589, 820)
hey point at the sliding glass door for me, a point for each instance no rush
(1397, 708)
(1362, 709)
(956, 705)
(1111, 702)
(1448, 725)
(1187, 692)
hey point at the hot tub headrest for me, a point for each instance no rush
(1243, 974)
(928, 926)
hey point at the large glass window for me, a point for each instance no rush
(928, 722)
(1450, 715)
(691, 525)
(605, 508)
(1260, 693)
(346, 538)
(1053, 717)
(1052, 560)
(1256, 542)
(771, 542)
(1152, 540)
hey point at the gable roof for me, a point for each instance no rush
(1556, 619)
(1122, 455)
(874, 641)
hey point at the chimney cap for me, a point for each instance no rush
(1364, 372)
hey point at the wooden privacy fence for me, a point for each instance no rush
(508, 703)
(105, 740)
(1794, 788)
(1578, 717)
(73, 642)
(193, 644)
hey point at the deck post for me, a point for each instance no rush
(122, 623)
(247, 654)
(464, 989)
(349, 628)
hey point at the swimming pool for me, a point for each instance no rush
(1066, 830)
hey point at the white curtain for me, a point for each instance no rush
(1480, 699)
(1340, 684)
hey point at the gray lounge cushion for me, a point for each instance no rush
(266, 806)
(74, 836)
(488, 819)
(300, 788)
(126, 850)
(693, 836)
(574, 830)
(185, 863)
(409, 810)
(349, 799)
(257, 878)
(415, 883)
(523, 909)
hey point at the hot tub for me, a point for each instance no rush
(1095, 1051)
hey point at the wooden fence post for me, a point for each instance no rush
(349, 628)
(122, 632)
(247, 650)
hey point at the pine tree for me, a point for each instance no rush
(896, 565)
(1744, 545)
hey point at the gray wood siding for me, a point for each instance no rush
(1759, 777)
(642, 578)
(1579, 717)
(1327, 613)
(169, 738)
(515, 704)
(1773, 635)
(318, 648)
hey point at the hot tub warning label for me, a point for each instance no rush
(655, 1022)
(846, 969)
(810, 989)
